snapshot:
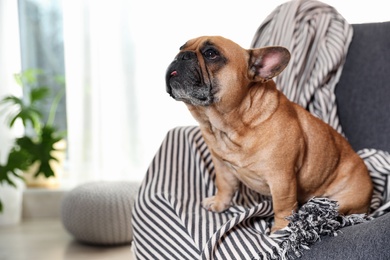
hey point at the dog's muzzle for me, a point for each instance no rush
(184, 80)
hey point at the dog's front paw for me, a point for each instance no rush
(279, 224)
(214, 204)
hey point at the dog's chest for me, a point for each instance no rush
(240, 160)
(252, 179)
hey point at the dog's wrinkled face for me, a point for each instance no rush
(211, 69)
(198, 71)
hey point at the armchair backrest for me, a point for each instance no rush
(363, 91)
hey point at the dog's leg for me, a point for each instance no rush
(352, 192)
(226, 183)
(284, 199)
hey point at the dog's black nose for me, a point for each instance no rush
(186, 55)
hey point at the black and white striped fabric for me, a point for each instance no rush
(318, 38)
(168, 219)
(378, 164)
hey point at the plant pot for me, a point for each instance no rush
(57, 166)
(11, 198)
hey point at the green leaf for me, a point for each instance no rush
(12, 117)
(24, 112)
(18, 79)
(7, 180)
(12, 100)
(19, 159)
(28, 114)
(54, 106)
(3, 174)
(30, 76)
(60, 79)
(45, 169)
(40, 150)
(38, 94)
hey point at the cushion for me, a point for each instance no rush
(100, 212)
(364, 241)
(363, 90)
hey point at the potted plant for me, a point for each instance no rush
(35, 150)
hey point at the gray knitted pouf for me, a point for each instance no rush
(100, 212)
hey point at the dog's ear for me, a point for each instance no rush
(266, 63)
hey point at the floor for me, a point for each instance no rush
(46, 239)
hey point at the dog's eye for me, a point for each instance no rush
(211, 54)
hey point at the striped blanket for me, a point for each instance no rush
(168, 219)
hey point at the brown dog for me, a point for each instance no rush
(257, 136)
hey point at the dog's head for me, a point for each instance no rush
(212, 69)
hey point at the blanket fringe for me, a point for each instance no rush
(318, 217)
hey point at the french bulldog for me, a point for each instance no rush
(257, 136)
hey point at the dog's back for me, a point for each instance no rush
(344, 176)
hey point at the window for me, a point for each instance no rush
(42, 46)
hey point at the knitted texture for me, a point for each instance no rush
(316, 218)
(100, 212)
